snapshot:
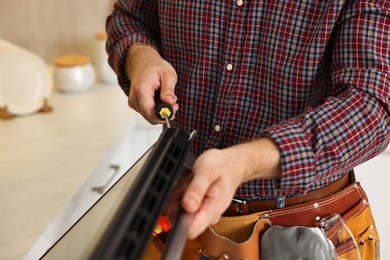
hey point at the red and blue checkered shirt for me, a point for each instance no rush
(312, 75)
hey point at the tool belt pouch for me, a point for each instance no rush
(239, 237)
(234, 238)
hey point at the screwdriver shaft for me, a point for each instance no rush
(166, 117)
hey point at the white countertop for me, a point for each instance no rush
(45, 157)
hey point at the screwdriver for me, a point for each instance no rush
(164, 111)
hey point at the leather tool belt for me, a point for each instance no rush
(246, 207)
(238, 236)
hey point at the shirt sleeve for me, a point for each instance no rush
(130, 22)
(352, 125)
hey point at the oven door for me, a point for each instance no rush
(121, 223)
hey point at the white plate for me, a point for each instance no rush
(25, 81)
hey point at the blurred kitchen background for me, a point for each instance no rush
(53, 27)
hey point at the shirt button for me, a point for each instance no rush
(229, 67)
(217, 128)
(240, 2)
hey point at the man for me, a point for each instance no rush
(287, 96)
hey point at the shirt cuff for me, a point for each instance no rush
(297, 157)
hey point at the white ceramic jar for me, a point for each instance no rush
(104, 71)
(74, 73)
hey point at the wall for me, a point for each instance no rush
(53, 27)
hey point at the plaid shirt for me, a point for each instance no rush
(312, 75)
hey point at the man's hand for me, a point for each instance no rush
(217, 175)
(148, 72)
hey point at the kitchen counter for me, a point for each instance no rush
(45, 157)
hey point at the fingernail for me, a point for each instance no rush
(191, 203)
(171, 98)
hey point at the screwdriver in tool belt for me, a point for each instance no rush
(164, 111)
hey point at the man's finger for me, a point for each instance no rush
(168, 83)
(207, 215)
